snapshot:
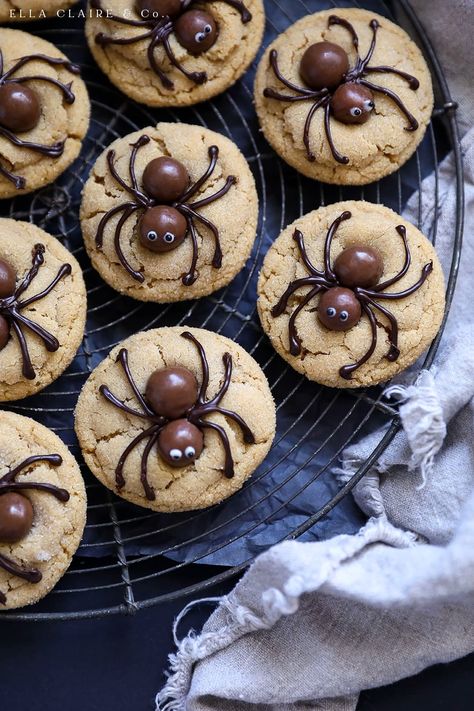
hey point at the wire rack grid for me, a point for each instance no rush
(133, 558)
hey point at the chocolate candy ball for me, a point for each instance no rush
(180, 443)
(171, 392)
(162, 229)
(7, 279)
(16, 517)
(339, 309)
(196, 31)
(359, 265)
(165, 179)
(158, 8)
(352, 103)
(4, 332)
(19, 107)
(323, 65)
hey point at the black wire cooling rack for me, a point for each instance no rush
(133, 558)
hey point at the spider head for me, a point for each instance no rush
(339, 309)
(165, 179)
(7, 279)
(359, 265)
(352, 103)
(16, 517)
(180, 443)
(171, 392)
(158, 8)
(196, 31)
(19, 107)
(323, 65)
(162, 228)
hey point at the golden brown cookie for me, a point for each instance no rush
(175, 419)
(351, 294)
(42, 309)
(338, 114)
(32, 10)
(42, 510)
(188, 56)
(188, 226)
(42, 120)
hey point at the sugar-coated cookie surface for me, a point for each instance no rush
(50, 112)
(191, 422)
(185, 55)
(42, 510)
(342, 324)
(344, 116)
(156, 257)
(43, 305)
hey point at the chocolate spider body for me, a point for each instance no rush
(17, 513)
(344, 93)
(168, 216)
(350, 289)
(195, 30)
(11, 307)
(20, 108)
(175, 407)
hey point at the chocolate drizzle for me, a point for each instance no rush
(8, 484)
(328, 282)
(8, 78)
(157, 30)
(194, 417)
(11, 308)
(356, 78)
(141, 201)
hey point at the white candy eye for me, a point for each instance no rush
(369, 104)
(355, 111)
(344, 315)
(189, 452)
(169, 237)
(152, 235)
(200, 37)
(331, 312)
(207, 29)
(176, 454)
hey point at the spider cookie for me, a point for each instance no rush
(175, 52)
(175, 419)
(42, 510)
(169, 213)
(344, 96)
(44, 112)
(351, 294)
(42, 309)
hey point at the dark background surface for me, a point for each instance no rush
(117, 664)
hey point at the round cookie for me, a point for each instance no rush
(156, 258)
(42, 510)
(42, 309)
(31, 10)
(42, 120)
(330, 326)
(339, 129)
(203, 439)
(197, 53)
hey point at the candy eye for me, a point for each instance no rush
(331, 312)
(176, 455)
(344, 315)
(152, 235)
(207, 29)
(355, 111)
(169, 237)
(189, 452)
(199, 37)
(369, 105)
